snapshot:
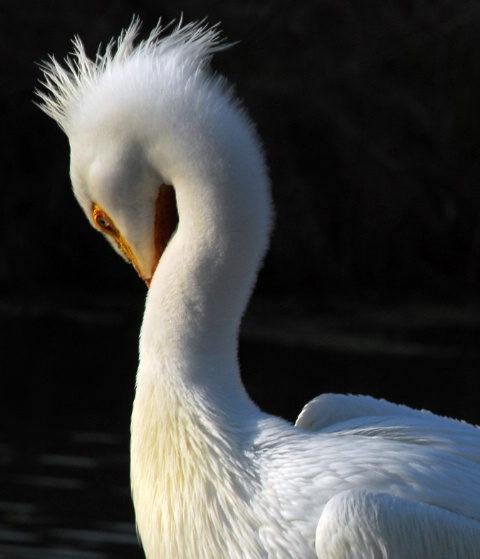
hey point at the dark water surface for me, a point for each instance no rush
(67, 386)
(67, 498)
(66, 392)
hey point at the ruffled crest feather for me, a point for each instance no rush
(64, 85)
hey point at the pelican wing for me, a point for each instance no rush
(332, 409)
(364, 416)
(360, 524)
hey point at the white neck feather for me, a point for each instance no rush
(192, 416)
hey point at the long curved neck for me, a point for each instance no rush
(192, 417)
(203, 281)
(192, 316)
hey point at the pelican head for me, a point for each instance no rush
(141, 120)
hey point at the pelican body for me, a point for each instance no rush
(167, 165)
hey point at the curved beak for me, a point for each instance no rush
(164, 224)
(129, 255)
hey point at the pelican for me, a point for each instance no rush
(166, 164)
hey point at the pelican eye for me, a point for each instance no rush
(102, 221)
(106, 225)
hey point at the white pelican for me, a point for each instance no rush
(213, 477)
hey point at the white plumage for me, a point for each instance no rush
(152, 132)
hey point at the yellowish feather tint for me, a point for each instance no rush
(188, 487)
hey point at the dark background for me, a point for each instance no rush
(369, 113)
(370, 116)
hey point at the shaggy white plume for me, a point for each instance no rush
(191, 45)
